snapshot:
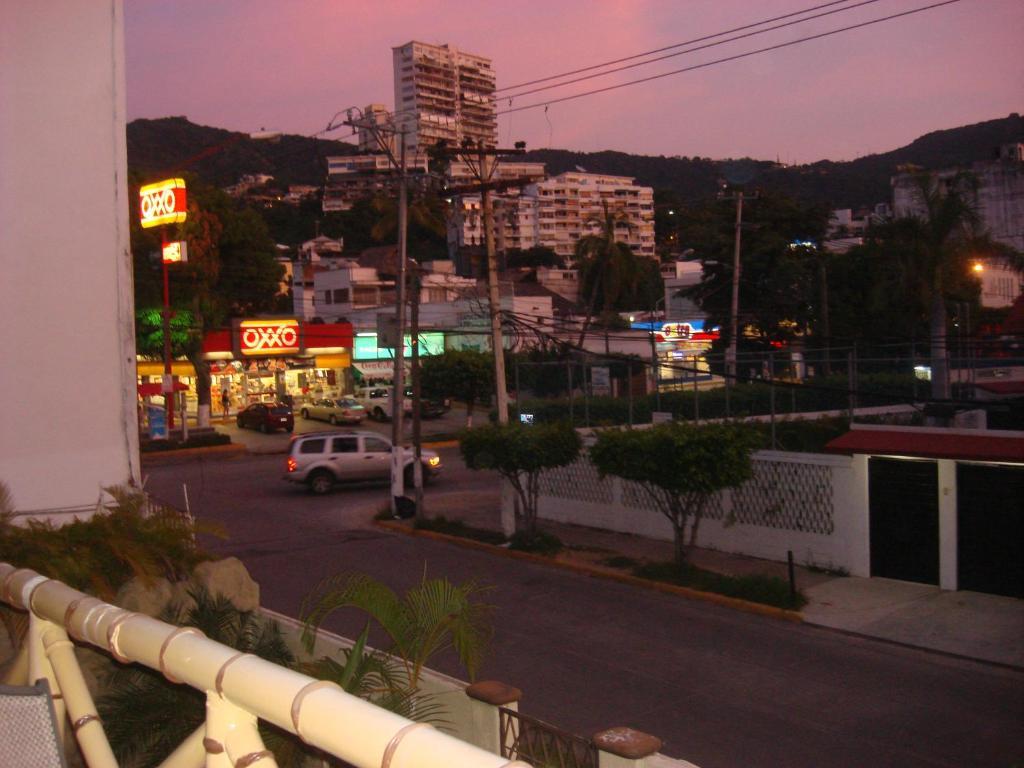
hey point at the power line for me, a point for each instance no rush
(694, 50)
(726, 59)
(665, 48)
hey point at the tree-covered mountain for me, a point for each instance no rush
(221, 157)
(172, 145)
(852, 184)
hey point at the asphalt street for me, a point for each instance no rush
(722, 688)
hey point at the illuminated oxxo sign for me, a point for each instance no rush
(268, 337)
(676, 331)
(162, 203)
(176, 252)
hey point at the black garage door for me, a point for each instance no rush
(990, 528)
(903, 499)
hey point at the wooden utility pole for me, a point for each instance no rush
(378, 130)
(483, 161)
(730, 354)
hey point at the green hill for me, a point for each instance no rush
(173, 144)
(221, 157)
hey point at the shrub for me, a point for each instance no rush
(539, 543)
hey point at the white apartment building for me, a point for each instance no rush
(569, 204)
(316, 255)
(444, 93)
(557, 212)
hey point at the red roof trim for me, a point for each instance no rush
(930, 445)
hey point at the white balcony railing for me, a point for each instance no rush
(239, 688)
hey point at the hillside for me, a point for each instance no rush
(861, 182)
(173, 144)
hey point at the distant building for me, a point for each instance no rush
(316, 255)
(353, 177)
(557, 212)
(444, 94)
(1000, 203)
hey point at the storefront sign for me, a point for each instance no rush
(162, 203)
(268, 337)
(673, 331)
(176, 252)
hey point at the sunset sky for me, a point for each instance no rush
(290, 66)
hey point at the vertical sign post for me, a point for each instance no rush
(161, 204)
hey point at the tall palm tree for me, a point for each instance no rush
(607, 267)
(944, 236)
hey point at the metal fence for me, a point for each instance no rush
(543, 745)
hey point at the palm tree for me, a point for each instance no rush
(944, 236)
(607, 267)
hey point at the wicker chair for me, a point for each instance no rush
(28, 728)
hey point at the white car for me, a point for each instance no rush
(322, 459)
(336, 410)
(377, 402)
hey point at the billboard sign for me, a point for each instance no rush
(176, 252)
(162, 203)
(268, 337)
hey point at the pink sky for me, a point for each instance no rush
(289, 66)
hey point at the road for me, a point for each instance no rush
(723, 689)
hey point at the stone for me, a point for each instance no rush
(493, 692)
(228, 577)
(148, 596)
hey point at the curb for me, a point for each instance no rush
(214, 451)
(588, 570)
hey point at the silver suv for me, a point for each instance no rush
(321, 459)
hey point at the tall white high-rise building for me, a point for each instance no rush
(444, 93)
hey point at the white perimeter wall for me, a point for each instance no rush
(67, 377)
(805, 489)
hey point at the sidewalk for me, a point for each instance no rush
(970, 624)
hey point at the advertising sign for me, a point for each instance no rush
(600, 380)
(162, 203)
(176, 252)
(268, 337)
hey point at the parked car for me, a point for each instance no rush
(376, 401)
(430, 407)
(322, 459)
(266, 417)
(336, 410)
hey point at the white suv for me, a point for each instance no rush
(377, 402)
(321, 459)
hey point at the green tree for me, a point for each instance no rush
(941, 240)
(465, 375)
(231, 272)
(520, 454)
(778, 282)
(679, 467)
(427, 217)
(537, 256)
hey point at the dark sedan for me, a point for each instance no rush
(267, 417)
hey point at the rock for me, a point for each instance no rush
(149, 596)
(228, 577)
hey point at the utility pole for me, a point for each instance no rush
(483, 162)
(730, 354)
(377, 130)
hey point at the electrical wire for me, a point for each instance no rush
(691, 50)
(726, 59)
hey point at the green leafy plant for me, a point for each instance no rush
(429, 618)
(146, 717)
(678, 466)
(520, 454)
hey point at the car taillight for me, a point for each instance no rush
(292, 464)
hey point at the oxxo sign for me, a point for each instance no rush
(268, 337)
(162, 203)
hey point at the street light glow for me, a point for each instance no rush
(978, 267)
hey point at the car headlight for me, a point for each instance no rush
(434, 461)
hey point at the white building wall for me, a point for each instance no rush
(66, 298)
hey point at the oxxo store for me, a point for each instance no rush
(270, 359)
